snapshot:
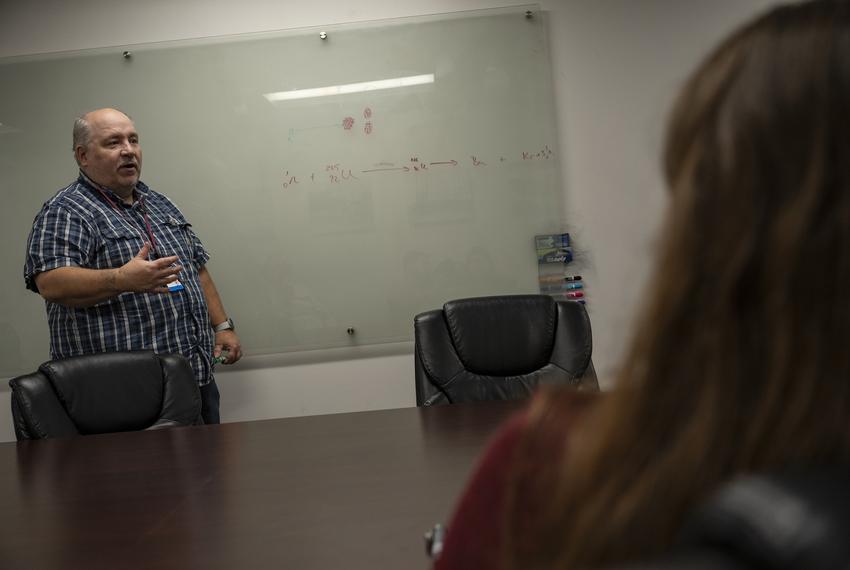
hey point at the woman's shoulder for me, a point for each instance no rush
(549, 416)
(476, 529)
(548, 419)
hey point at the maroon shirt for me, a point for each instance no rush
(474, 535)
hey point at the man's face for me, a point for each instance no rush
(113, 158)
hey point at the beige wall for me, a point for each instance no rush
(617, 65)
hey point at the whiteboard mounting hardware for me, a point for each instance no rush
(127, 54)
(350, 331)
(529, 14)
(323, 35)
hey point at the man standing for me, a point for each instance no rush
(120, 267)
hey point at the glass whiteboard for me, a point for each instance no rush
(343, 179)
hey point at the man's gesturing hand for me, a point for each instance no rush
(142, 276)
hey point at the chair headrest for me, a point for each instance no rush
(114, 391)
(502, 336)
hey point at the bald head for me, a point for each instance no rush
(106, 147)
(82, 127)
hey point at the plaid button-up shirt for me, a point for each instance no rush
(79, 227)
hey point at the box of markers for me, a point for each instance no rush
(553, 248)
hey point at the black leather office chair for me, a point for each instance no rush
(501, 348)
(107, 392)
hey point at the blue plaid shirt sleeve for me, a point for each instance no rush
(59, 238)
(201, 255)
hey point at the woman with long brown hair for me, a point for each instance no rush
(740, 362)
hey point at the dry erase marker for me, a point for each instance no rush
(561, 287)
(573, 278)
(575, 294)
(221, 358)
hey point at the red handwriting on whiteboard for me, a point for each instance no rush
(367, 112)
(347, 123)
(289, 180)
(416, 165)
(337, 174)
(387, 169)
(543, 154)
(385, 166)
(367, 128)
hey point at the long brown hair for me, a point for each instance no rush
(740, 361)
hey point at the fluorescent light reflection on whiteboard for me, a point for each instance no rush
(350, 88)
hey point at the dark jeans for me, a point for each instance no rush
(209, 403)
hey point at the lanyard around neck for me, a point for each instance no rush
(126, 217)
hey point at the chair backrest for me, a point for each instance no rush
(106, 392)
(500, 348)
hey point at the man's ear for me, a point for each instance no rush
(81, 155)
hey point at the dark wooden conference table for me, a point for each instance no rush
(355, 490)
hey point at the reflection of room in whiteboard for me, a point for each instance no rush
(349, 88)
(8, 129)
